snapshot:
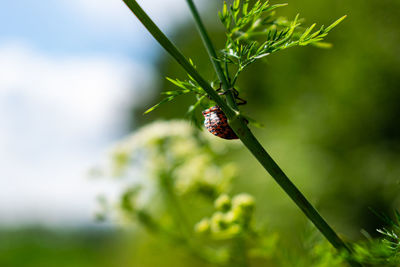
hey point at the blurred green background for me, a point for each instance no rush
(331, 116)
(331, 121)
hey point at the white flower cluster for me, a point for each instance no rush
(176, 149)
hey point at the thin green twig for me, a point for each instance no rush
(213, 55)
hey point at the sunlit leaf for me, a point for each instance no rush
(333, 25)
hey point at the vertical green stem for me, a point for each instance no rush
(178, 215)
(212, 54)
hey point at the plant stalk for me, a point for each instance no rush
(213, 55)
(239, 125)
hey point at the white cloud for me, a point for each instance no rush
(85, 91)
(57, 114)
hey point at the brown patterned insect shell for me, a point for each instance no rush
(216, 123)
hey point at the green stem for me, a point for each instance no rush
(166, 184)
(213, 55)
(177, 55)
(238, 124)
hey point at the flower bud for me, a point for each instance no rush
(218, 222)
(223, 203)
(203, 226)
(244, 201)
(243, 208)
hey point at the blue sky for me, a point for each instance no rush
(69, 71)
(65, 27)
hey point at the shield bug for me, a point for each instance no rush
(216, 123)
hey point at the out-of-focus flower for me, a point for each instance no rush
(173, 154)
(223, 203)
(232, 217)
(203, 226)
